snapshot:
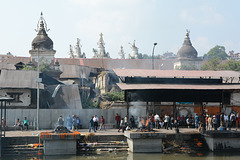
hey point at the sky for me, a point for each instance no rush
(211, 23)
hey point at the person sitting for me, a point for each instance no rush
(25, 122)
(19, 124)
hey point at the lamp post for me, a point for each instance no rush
(38, 80)
(154, 44)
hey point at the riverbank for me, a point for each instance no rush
(27, 133)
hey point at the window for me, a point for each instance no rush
(16, 97)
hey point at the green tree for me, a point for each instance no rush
(231, 65)
(212, 64)
(218, 52)
(42, 68)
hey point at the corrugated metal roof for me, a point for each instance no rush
(107, 63)
(74, 71)
(174, 73)
(125, 86)
(19, 79)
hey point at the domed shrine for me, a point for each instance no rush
(187, 56)
(42, 45)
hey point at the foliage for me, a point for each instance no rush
(115, 96)
(88, 103)
(231, 65)
(42, 68)
(145, 56)
(212, 64)
(218, 52)
(185, 67)
(215, 64)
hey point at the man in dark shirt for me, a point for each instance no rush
(118, 119)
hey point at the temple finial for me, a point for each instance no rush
(41, 24)
(187, 32)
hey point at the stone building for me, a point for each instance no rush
(187, 56)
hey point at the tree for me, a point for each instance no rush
(212, 64)
(231, 65)
(215, 64)
(42, 68)
(218, 52)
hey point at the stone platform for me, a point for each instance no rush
(144, 142)
(59, 144)
(223, 140)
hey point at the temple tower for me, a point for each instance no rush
(42, 46)
(100, 52)
(134, 51)
(121, 53)
(187, 56)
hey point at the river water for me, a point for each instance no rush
(134, 156)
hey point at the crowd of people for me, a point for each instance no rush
(166, 121)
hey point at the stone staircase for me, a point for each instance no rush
(20, 146)
(112, 146)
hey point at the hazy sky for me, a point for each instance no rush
(211, 22)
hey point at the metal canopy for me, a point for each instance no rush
(174, 73)
(125, 86)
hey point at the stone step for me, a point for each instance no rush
(109, 146)
(113, 150)
(20, 146)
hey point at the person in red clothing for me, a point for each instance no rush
(118, 119)
(102, 124)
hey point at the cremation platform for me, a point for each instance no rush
(144, 142)
(223, 140)
(59, 144)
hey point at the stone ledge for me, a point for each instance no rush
(152, 135)
(222, 134)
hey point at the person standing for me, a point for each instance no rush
(121, 125)
(196, 118)
(125, 121)
(218, 119)
(25, 122)
(226, 120)
(102, 124)
(132, 121)
(167, 121)
(157, 120)
(60, 121)
(118, 119)
(95, 121)
(214, 121)
(78, 123)
(91, 125)
(209, 123)
(69, 122)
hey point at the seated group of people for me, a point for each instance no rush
(23, 123)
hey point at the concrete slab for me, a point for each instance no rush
(144, 142)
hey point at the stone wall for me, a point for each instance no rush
(48, 117)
